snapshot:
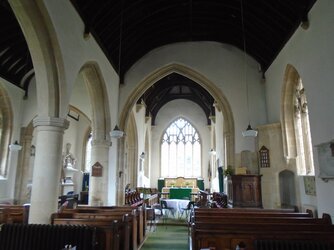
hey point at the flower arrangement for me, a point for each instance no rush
(228, 171)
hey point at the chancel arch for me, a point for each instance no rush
(221, 102)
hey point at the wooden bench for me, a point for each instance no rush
(227, 236)
(226, 228)
(115, 233)
(132, 198)
(90, 214)
(14, 214)
(141, 215)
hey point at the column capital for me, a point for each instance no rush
(51, 121)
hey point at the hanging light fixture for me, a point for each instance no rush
(117, 133)
(249, 132)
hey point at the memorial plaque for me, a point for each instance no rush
(97, 170)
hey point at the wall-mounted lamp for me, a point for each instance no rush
(117, 133)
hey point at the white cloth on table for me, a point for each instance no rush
(177, 204)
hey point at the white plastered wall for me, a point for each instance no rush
(311, 53)
(219, 63)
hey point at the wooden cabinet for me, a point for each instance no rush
(245, 191)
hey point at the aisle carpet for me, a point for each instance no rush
(167, 236)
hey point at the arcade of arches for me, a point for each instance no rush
(78, 101)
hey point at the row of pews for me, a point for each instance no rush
(87, 227)
(132, 198)
(118, 227)
(259, 229)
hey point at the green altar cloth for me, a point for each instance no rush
(179, 193)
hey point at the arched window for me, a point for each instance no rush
(180, 150)
(297, 143)
(88, 153)
(303, 134)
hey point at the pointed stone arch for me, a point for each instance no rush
(6, 125)
(99, 100)
(52, 99)
(291, 79)
(131, 143)
(100, 123)
(220, 100)
(147, 154)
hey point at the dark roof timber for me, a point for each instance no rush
(139, 26)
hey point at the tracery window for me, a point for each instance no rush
(302, 132)
(180, 150)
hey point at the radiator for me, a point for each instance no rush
(45, 237)
(291, 245)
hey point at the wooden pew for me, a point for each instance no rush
(254, 219)
(246, 210)
(227, 236)
(116, 234)
(14, 214)
(86, 212)
(141, 216)
(224, 230)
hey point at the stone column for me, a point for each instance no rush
(13, 157)
(47, 168)
(98, 185)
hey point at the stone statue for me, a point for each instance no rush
(69, 160)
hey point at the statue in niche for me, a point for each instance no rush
(69, 160)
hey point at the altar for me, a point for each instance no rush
(182, 193)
